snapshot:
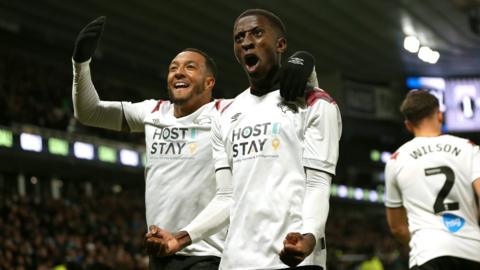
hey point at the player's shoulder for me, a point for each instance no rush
(221, 105)
(400, 152)
(457, 139)
(319, 95)
(157, 105)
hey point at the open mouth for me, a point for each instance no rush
(180, 85)
(251, 61)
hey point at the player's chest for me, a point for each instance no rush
(177, 140)
(260, 126)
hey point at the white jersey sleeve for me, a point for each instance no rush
(87, 106)
(316, 203)
(322, 134)
(215, 216)
(135, 113)
(393, 195)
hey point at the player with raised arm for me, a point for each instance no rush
(179, 173)
(274, 155)
(431, 183)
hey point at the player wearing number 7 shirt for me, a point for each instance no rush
(431, 183)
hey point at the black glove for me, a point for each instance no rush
(294, 75)
(87, 40)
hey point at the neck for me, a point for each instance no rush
(181, 110)
(265, 85)
(427, 133)
(426, 130)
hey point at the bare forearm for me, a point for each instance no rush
(402, 235)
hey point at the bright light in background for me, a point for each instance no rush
(144, 159)
(83, 150)
(129, 157)
(6, 138)
(58, 146)
(375, 155)
(342, 191)
(385, 156)
(34, 180)
(428, 55)
(358, 194)
(428, 82)
(411, 44)
(31, 142)
(373, 196)
(107, 154)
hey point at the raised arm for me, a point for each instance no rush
(88, 108)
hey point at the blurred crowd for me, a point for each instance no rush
(83, 233)
(105, 231)
(358, 238)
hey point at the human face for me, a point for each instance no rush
(257, 46)
(189, 81)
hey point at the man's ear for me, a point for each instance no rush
(281, 45)
(440, 116)
(408, 126)
(209, 82)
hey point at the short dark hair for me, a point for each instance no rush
(210, 64)
(418, 104)
(272, 18)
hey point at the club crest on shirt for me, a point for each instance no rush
(452, 222)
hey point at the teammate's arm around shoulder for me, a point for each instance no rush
(88, 108)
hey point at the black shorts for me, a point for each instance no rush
(448, 263)
(178, 262)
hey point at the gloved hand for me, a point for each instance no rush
(294, 75)
(87, 40)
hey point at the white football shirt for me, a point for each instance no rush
(179, 172)
(432, 178)
(267, 144)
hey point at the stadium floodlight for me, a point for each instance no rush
(411, 44)
(129, 157)
(107, 154)
(31, 142)
(428, 55)
(83, 150)
(58, 146)
(6, 138)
